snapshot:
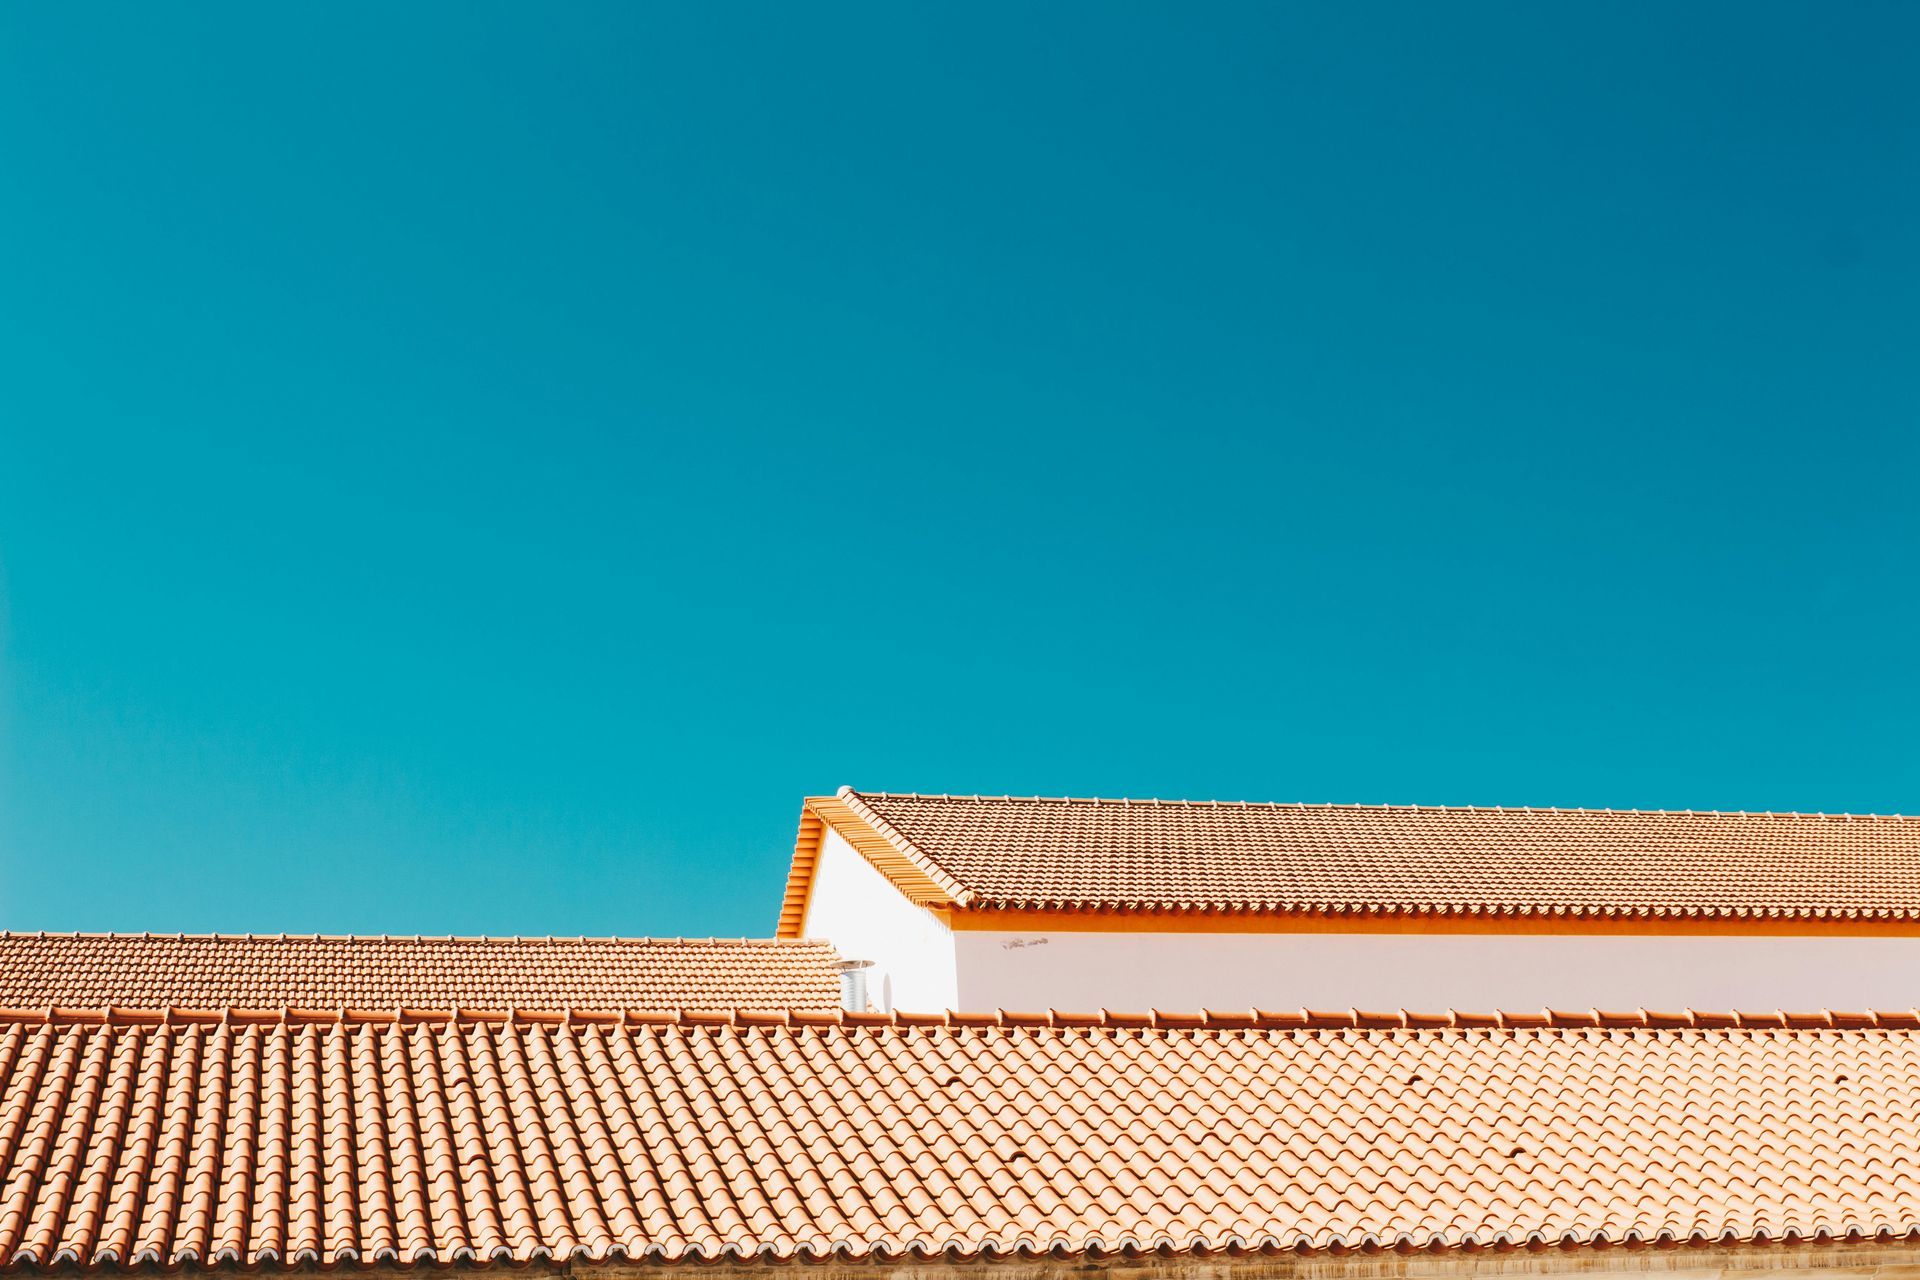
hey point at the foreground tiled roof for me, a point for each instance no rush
(985, 852)
(93, 970)
(278, 1140)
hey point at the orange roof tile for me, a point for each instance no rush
(1154, 855)
(91, 970)
(281, 1139)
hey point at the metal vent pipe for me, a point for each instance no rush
(853, 984)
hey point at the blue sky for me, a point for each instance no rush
(475, 468)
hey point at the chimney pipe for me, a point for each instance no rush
(853, 984)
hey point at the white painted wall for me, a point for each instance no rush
(860, 912)
(1082, 972)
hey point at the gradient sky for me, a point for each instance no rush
(469, 467)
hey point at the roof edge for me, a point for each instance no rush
(958, 893)
(806, 855)
(1830, 1247)
(917, 876)
(1159, 913)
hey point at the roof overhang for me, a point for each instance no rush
(895, 857)
(1708, 1261)
(988, 916)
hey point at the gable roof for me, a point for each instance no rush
(271, 971)
(911, 872)
(1008, 853)
(129, 1139)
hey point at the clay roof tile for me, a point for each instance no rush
(416, 978)
(1002, 853)
(133, 1137)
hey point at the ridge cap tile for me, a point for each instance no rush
(1376, 807)
(1199, 1021)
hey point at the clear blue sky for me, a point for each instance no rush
(475, 468)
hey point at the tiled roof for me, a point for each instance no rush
(283, 1139)
(1134, 855)
(92, 970)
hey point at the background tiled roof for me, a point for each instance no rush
(271, 971)
(1118, 854)
(285, 1141)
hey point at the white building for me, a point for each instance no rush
(977, 903)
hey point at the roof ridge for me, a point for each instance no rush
(1372, 808)
(1002, 1019)
(405, 938)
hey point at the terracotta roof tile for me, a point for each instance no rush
(274, 1141)
(274, 971)
(1150, 855)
